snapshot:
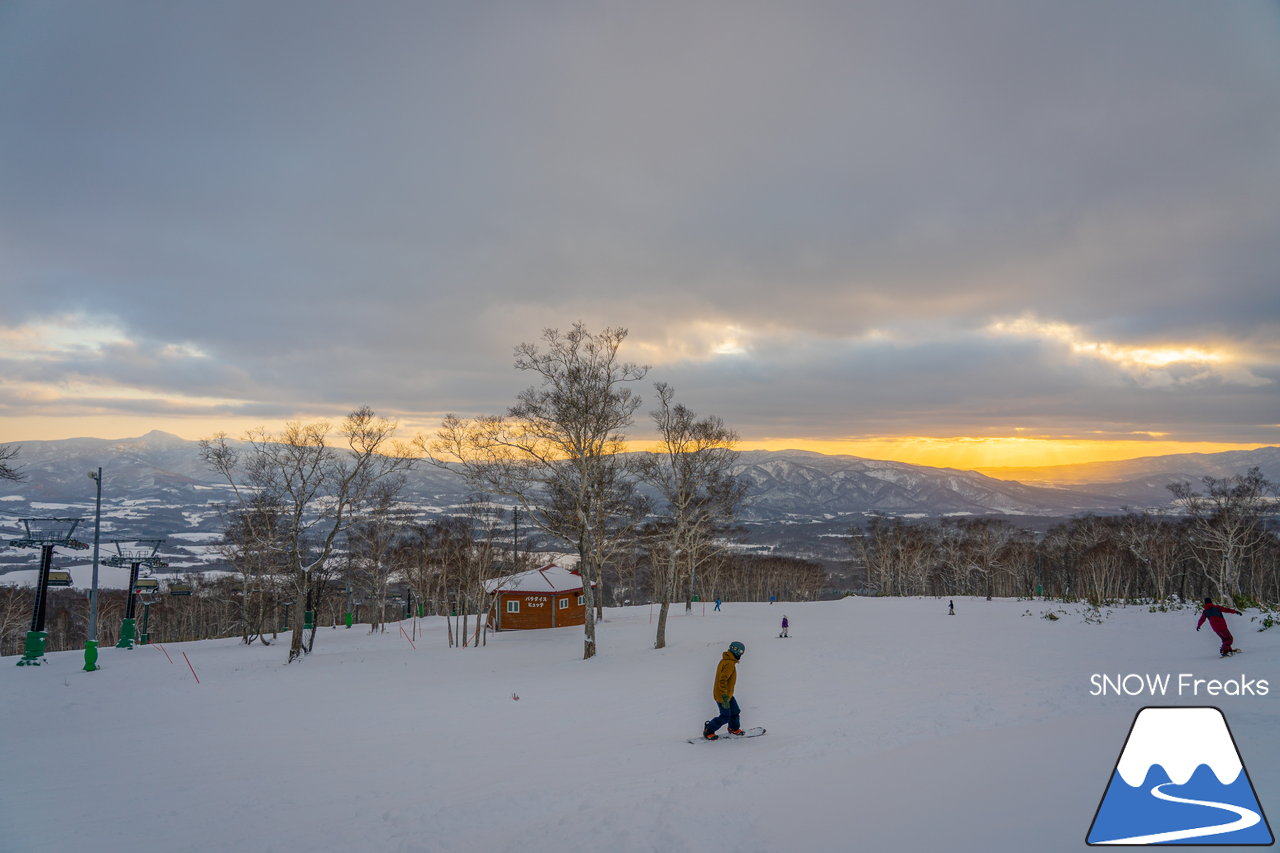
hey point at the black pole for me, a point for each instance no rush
(133, 583)
(37, 608)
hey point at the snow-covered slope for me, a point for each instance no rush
(892, 726)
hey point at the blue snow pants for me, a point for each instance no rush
(730, 716)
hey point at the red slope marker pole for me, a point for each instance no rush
(407, 637)
(190, 667)
(166, 654)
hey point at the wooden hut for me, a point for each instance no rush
(549, 597)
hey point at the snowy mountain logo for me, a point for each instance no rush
(1180, 780)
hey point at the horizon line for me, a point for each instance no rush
(923, 451)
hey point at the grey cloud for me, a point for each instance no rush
(968, 387)
(346, 203)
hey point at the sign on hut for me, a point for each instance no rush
(549, 597)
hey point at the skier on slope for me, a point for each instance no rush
(722, 692)
(785, 625)
(1213, 612)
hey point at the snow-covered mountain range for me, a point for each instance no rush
(1131, 475)
(797, 483)
(156, 485)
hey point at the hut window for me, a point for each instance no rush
(513, 605)
(580, 602)
(564, 604)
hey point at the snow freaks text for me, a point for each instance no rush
(1169, 684)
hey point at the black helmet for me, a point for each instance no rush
(736, 649)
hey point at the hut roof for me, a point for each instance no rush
(549, 579)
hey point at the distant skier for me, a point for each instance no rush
(1213, 612)
(785, 626)
(717, 604)
(772, 599)
(722, 692)
(951, 610)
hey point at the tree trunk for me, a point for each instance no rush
(668, 592)
(299, 609)
(661, 641)
(589, 603)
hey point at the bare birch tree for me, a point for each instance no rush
(15, 615)
(252, 543)
(617, 512)
(898, 555)
(1158, 548)
(693, 473)
(370, 539)
(560, 434)
(320, 489)
(1228, 519)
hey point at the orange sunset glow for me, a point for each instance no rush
(979, 454)
(963, 452)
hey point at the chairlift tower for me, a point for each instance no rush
(45, 534)
(91, 641)
(134, 553)
(148, 592)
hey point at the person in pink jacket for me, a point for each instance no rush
(1213, 612)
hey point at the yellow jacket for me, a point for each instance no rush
(726, 678)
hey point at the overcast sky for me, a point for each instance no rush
(818, 220)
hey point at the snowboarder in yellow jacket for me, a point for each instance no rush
(722, 692)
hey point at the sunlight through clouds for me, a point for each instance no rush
(1136, 359)
(1040, 215)
(691, 342)
(58, 335)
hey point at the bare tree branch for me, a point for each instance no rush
(558, 437)
(9, 471)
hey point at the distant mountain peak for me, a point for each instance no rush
(159, 436)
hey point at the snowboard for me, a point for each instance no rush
(754, 731)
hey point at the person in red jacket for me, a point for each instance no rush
(1213, 612)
